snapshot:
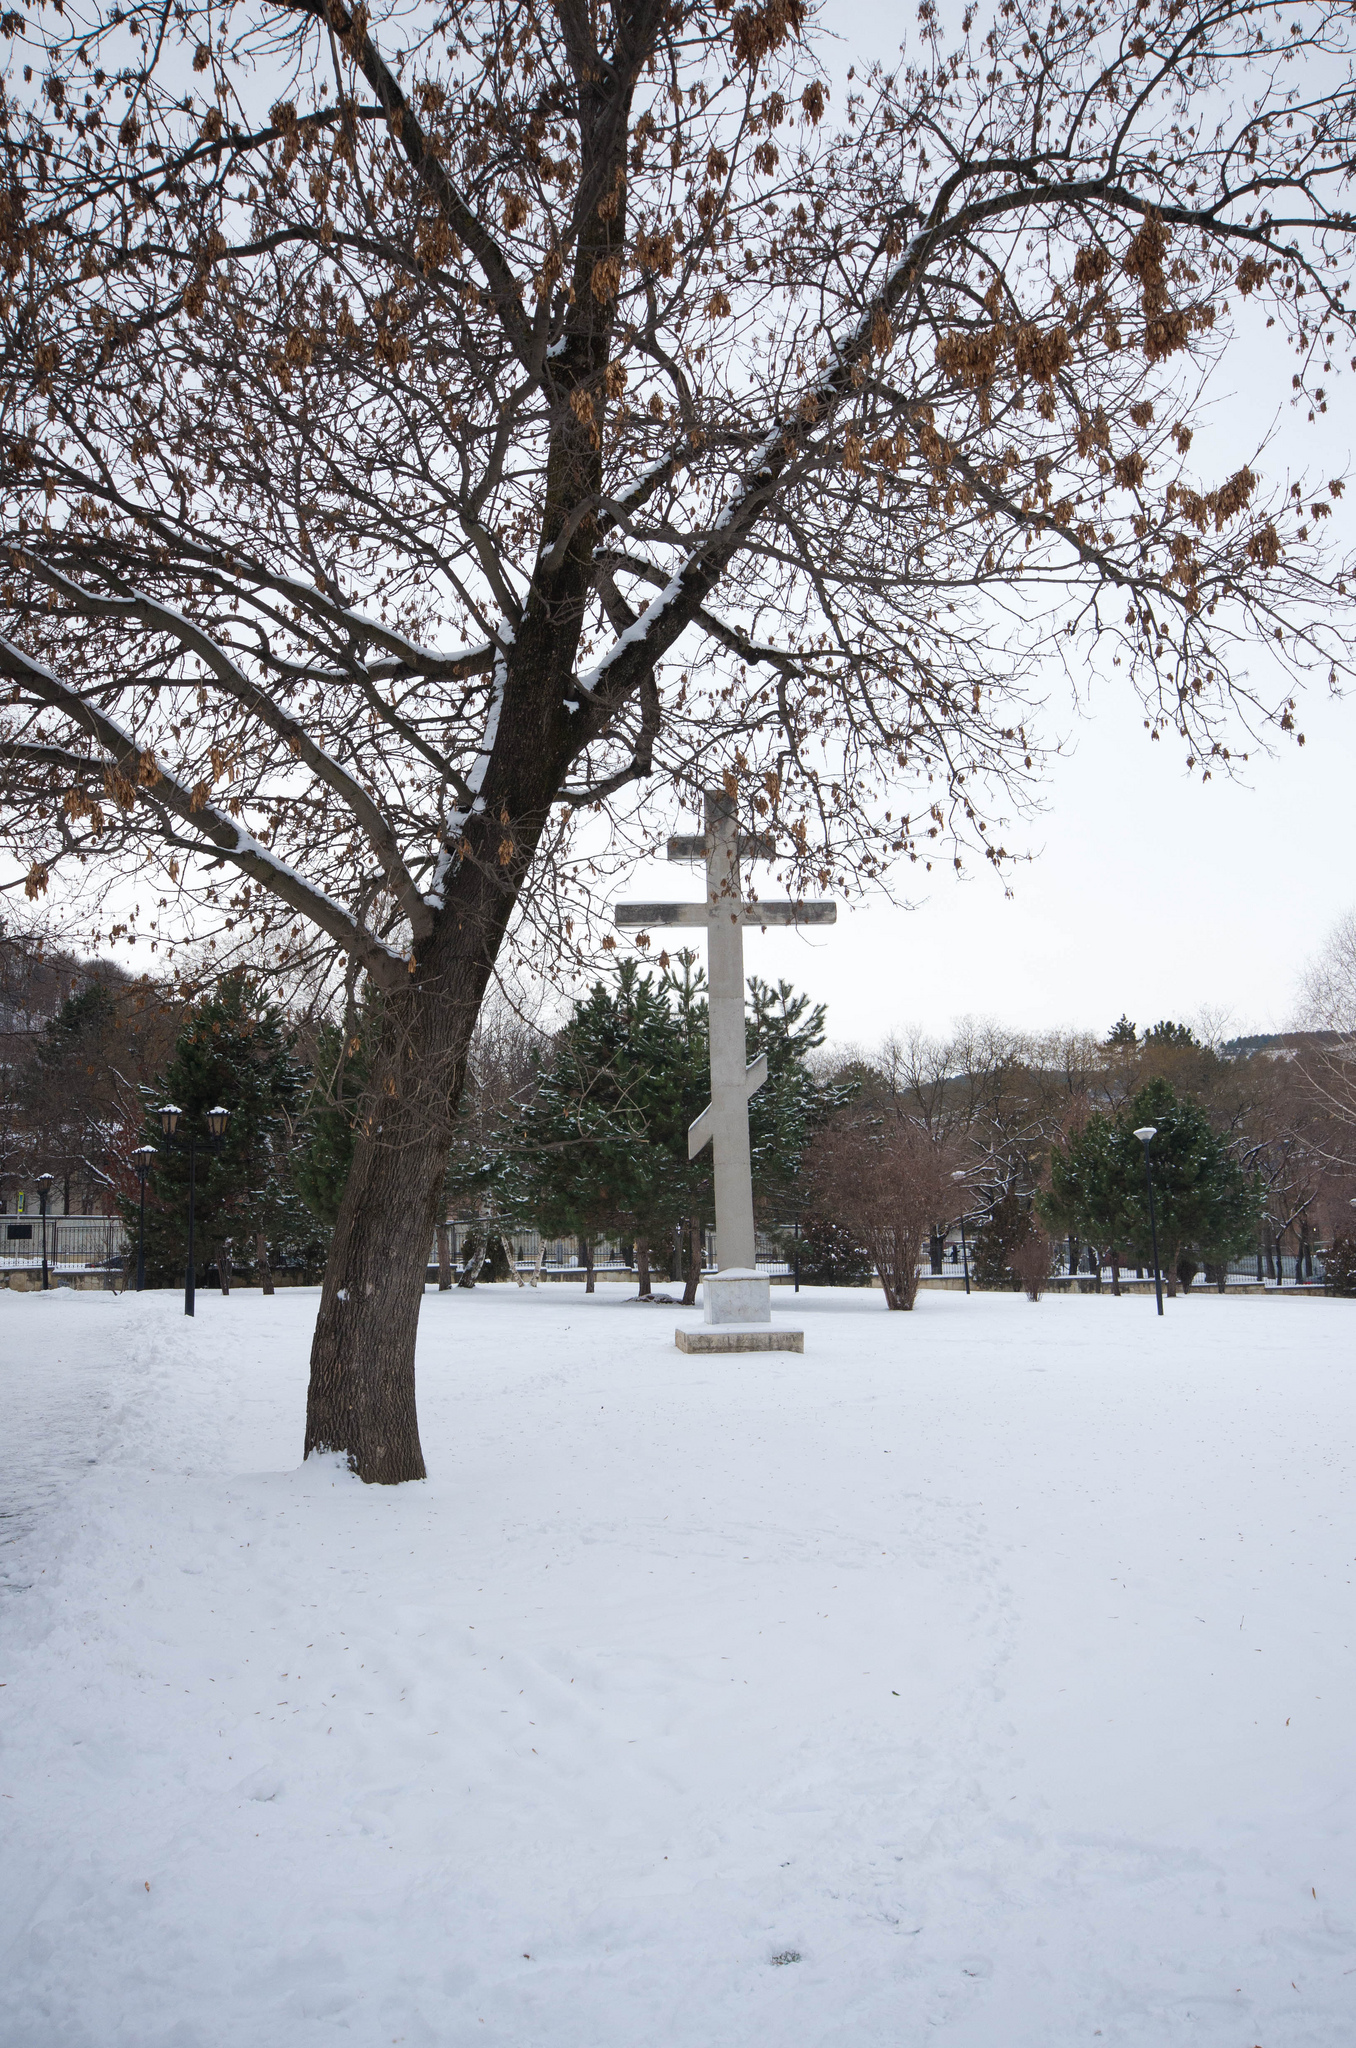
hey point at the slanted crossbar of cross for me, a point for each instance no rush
(724, 1123)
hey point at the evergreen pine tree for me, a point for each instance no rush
(325, 1137)
(784, 1116)
(1204, 1203)
(234, 1050)
(595, 1149)
(1002, 1232)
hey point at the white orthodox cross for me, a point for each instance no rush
(724, 1124)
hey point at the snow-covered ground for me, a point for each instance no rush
(993, 1663)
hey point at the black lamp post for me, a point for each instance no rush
(44, 1190)
(965, 1250)
(1144, 1135)
(216, 1129)
(143, 1155)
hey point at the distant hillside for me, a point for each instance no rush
(1277, 1042)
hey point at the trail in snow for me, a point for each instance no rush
(994, 1662)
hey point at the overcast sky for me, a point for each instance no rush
(1149, 892)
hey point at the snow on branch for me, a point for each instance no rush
(142, 778)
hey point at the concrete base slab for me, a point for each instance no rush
(739, 1337)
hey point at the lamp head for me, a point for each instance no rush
(1145, 1132)
(217, 1120)
(170, 1114)
(146, 1153)
(45, 1180)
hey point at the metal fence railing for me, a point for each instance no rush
(530, 1253)
(75, 1244)
(100, 1244)
(1274, 1269)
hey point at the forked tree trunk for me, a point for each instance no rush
(361, 1400)
(895, 1254)
(261, 1255)
(444, 1258)
(472, 1256)
(694, 1261)
(643, 1268)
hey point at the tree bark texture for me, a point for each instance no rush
(643, 1289)
(261, 1258)
(444, 1259)
(694, 1261)
(472, 1257)
(362, 1391)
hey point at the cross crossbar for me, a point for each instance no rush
(632, 915)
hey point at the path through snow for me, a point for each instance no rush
(993, 1661)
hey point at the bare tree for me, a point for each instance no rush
(1031, 1258)
(884, 1177)
(1324, 1057)
(430, 431)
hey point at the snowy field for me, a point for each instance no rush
(984, 1676)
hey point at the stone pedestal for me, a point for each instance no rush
(739, 1294)
(737, 1305)
(739, 1337)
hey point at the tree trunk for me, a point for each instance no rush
(586, 1253)
(1168, 1270)
(1073, 1260)
(897, 1263)
(643, 1268)
(361, 1401)
(224, 1269)
(444, 1237)
(261, 1258)
(472, 1256)
(694, 1261)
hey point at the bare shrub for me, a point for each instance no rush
(882, 1177)
(1030, 1260)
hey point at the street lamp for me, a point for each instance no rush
(965, 1252)
(1144, 1134)
(217, 1120)
(143, 1155)
(44, 1190)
